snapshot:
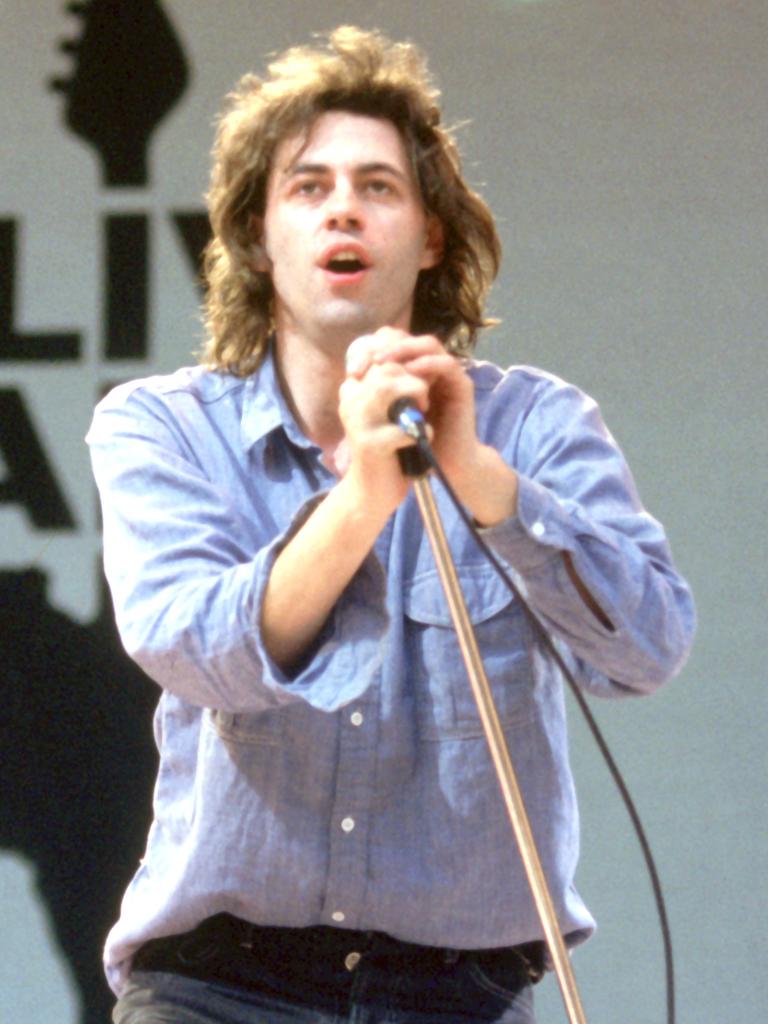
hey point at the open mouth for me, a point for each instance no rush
(345, 262)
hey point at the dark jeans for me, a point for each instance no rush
(227, 972)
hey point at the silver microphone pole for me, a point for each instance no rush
(414, 465)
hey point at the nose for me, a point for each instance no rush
(343, 208)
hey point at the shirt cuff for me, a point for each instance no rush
(538, 532)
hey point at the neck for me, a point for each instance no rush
(310, 378)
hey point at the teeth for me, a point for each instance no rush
(344, 258)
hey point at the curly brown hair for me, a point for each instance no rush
(360, 72)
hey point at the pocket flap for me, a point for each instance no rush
(485, 595)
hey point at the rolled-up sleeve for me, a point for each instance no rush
(576, 495)
(188, 555)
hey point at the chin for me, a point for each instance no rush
(351, 320)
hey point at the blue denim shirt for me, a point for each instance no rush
(359, 791)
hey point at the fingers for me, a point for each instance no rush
(365, 401)
(389, 344)
(360, 355)
(407, 349)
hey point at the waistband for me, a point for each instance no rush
(186, 953)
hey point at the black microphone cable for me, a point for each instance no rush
(414, 461)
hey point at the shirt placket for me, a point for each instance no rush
(351, 820)
(351, 817)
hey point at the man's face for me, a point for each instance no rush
(344, 230)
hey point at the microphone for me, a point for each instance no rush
(406, 414)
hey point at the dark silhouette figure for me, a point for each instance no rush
(130, 70)
(77, 767)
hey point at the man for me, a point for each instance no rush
(329, 839)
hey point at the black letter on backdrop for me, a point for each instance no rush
(14, 346)
(30, 481)
(126, 292)
(195, 232)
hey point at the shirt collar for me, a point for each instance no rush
(265, 408)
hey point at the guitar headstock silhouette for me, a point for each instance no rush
(129, 71)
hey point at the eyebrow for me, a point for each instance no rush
(375, 167)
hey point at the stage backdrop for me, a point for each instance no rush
(623, 147)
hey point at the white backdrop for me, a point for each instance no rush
(623, 146)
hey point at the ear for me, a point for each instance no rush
(261, 262)
(434, 243)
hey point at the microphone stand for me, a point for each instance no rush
(415, 465)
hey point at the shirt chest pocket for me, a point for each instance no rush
(437, 675)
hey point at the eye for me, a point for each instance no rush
(379, 187)
(307, 187)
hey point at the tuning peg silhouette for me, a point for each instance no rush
(129, 71)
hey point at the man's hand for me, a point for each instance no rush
(366, 457)
(482, 480)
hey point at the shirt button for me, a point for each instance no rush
(348, 824)
(351, 960)
(538, 529)
(356, 718)
(338, 915)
